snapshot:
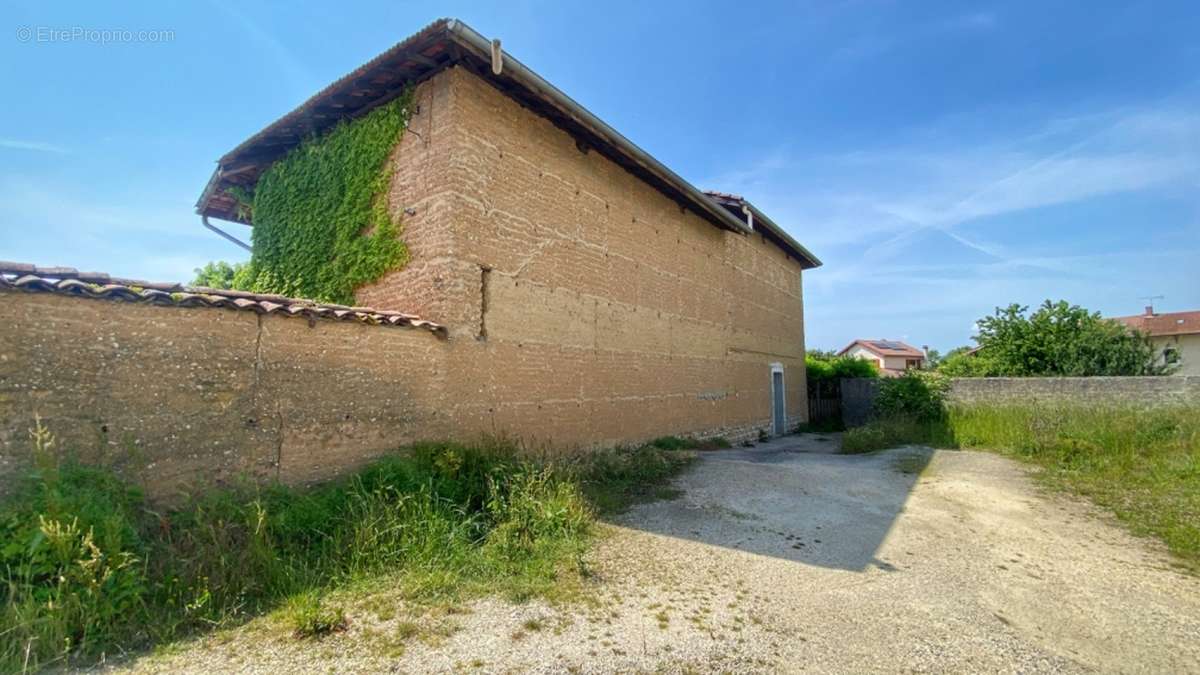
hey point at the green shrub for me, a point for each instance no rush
(838, 367)
(961, 363)
(87, 567)
(918, 394)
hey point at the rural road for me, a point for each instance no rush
(787, 557)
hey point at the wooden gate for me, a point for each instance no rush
(825, 402)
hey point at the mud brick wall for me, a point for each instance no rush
(585, 307)
(178, 396)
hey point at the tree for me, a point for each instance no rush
(1058, 339)
(822, 354)
(963, 362)
(219, 274)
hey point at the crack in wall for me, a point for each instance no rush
(278, 442)
(485, 276)
(257, 356)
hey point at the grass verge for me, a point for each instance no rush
(89, 568)
(1143, 465)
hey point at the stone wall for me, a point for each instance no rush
(858, 395)
(182, 395)
(1131, 391)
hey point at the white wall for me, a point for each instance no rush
(1188, 347)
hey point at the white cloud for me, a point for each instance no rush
(909, 231)
(35, 146)
(877, 197)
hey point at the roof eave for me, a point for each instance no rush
(467, 41)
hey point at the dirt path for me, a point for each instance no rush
(786, 557)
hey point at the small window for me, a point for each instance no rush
(1170, 356)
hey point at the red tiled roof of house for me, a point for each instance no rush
(1169, 323)
(97, 285)
(886, 348)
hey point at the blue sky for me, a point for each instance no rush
(941, 158)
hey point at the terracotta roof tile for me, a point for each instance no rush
(1169, 323)
(69, 281)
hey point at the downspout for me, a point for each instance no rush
(225, 235)
(749, 214)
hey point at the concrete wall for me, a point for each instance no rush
(858, 395)
(181, 395)
(584, 307)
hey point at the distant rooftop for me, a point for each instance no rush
(1167, 323)
(886, 348)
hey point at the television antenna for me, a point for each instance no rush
(1151, 298)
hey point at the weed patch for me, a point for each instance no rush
(613, 480)
(310, 617)
(88, 568)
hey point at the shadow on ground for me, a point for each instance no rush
(794, 498)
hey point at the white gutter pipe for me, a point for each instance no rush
(224, 234)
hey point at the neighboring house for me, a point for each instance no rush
(563, 288)
(1175, 336)
(892, 356)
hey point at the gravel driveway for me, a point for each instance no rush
(787, 557)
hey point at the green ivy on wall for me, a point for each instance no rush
(322, 227)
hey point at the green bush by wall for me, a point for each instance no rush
(322, 226)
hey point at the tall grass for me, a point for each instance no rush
(89, 568)
(1143, 465)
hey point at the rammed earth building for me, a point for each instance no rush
(572, 291)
